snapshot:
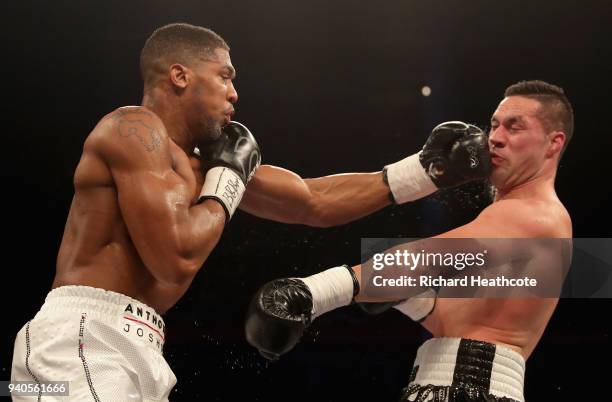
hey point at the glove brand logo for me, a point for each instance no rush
(473, 157)
(254, 158)
(254, 162)
(231, 191)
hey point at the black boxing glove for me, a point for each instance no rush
(278, 314)
(282, 309)
(454, 153)
(229, 163)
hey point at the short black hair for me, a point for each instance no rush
(177, 43)
(556, 112)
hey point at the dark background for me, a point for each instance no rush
(325, 89)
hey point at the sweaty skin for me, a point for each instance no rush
(524, 162)
(98, 248)
(134, 227)
(513, 322)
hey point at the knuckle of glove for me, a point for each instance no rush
(277, 317)
(461, 154)
(287, 298)
(246, 151)
(236, 149)
(470, 156)
(445, 134)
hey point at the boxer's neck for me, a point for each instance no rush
(539, 187)
(172, 116)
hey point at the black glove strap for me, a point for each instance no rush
(356, 287)
(386, 181)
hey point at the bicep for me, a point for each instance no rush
(276, 193)
(153, 209)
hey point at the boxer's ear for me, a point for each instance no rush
(555, 142)
(179, 75)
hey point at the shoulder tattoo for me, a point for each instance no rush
(130, 124)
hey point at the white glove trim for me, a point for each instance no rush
(408, 180)
(225, 186)
(330, 289)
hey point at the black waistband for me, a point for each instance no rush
(471, 377)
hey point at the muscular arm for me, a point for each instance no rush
(172, 235)
(281, 195)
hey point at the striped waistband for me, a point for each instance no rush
(457, 362)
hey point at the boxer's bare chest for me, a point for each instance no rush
(188, 167)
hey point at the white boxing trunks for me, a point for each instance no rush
(108, 346)
(454, 369)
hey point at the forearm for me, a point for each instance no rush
(283, 196)
(175, 237)
(199, 233)
(343, 198)
(395, 274)
(364, 297)
(372, 288)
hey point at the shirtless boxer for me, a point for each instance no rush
(479, 346)
(148, 209)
